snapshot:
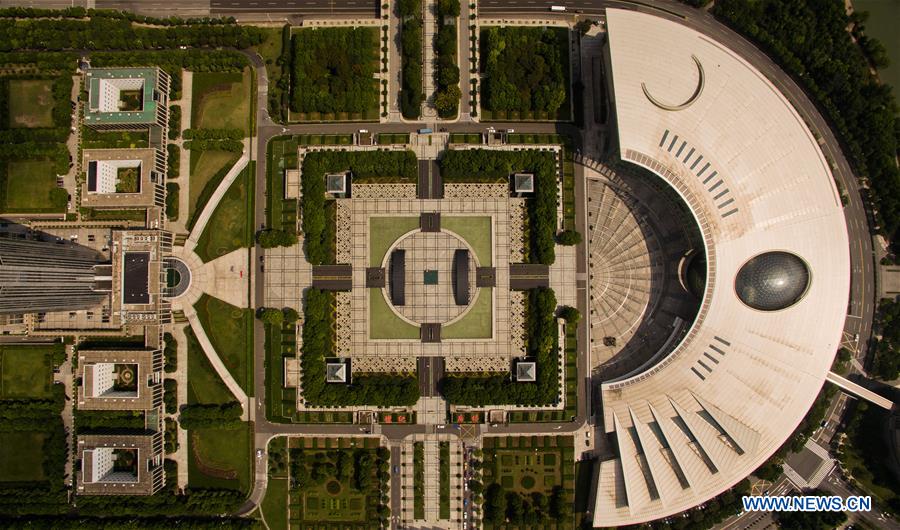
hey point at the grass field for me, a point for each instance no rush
(383, 231)
(477, 323)
(27, 185)
(204, 384)
(477, 233)
(231, 225)
(208, 168)
(230, 330)
(25, 372)
(21, 457)
(274, 505)
(383, 323)
(221, 100)
(30, 103)
(220, 458)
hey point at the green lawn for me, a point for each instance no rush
(231, 225)
(477, 323)
(221, 100)
(21, 456)
(274, 505)
(383, 323)
(25, 372)
(208, 168)
(383, 231)
(204, 384)
(26, 187)
(230, 330)
(221, 458)
(476, 230)
(30, 103)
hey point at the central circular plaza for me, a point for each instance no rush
(430, 278)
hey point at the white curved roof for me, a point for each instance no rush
(733, 391)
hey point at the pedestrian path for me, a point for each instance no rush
(210, 207)
(216, 362)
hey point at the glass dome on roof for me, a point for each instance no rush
(772, 281)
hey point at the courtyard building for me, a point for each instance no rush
(120, 380)
(127, 99)
(124, 178)
(120, 464)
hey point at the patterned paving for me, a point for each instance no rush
(433, 251)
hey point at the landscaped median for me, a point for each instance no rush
(446, 73)
(412, 92)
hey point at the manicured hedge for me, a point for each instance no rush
(411, 38)
(483, 164)
(363, 164)
(374, 389)
(496, 389)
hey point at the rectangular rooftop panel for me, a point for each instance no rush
(135, 288)
(398, 277)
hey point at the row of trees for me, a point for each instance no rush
(496, 389)
(363, 470)
(524, 68)
(411, 38)
(362, 164)
(446, 73)
(104, 33)
(517, 508)
(810, 41)
(482, 164)
(211, 416)
(232, 146)
(333, 68)
(277, 317)
(276, 237)
(280, 88)
(213, 134)
(887, 350)
(375, 389)
(80, 12)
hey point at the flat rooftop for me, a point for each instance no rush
(135, 288)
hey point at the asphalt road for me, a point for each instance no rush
(197, 8)
(291, 7)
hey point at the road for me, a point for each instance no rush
(268, 9)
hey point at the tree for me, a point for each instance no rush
(290, 315)
(271, 316)
(447, 101)
(569, 314)
(569, 237)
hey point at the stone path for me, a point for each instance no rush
(180, 376)
(179, 225)
(216, 362)
(213, 203)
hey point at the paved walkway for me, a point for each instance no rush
(216, 362)
(180, 376)
(66, 376)
(213, 203)
(179, 225)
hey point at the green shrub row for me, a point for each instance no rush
(372, 389)
(412, 93)
(483, 164)
(362, 164)
(497, 389)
